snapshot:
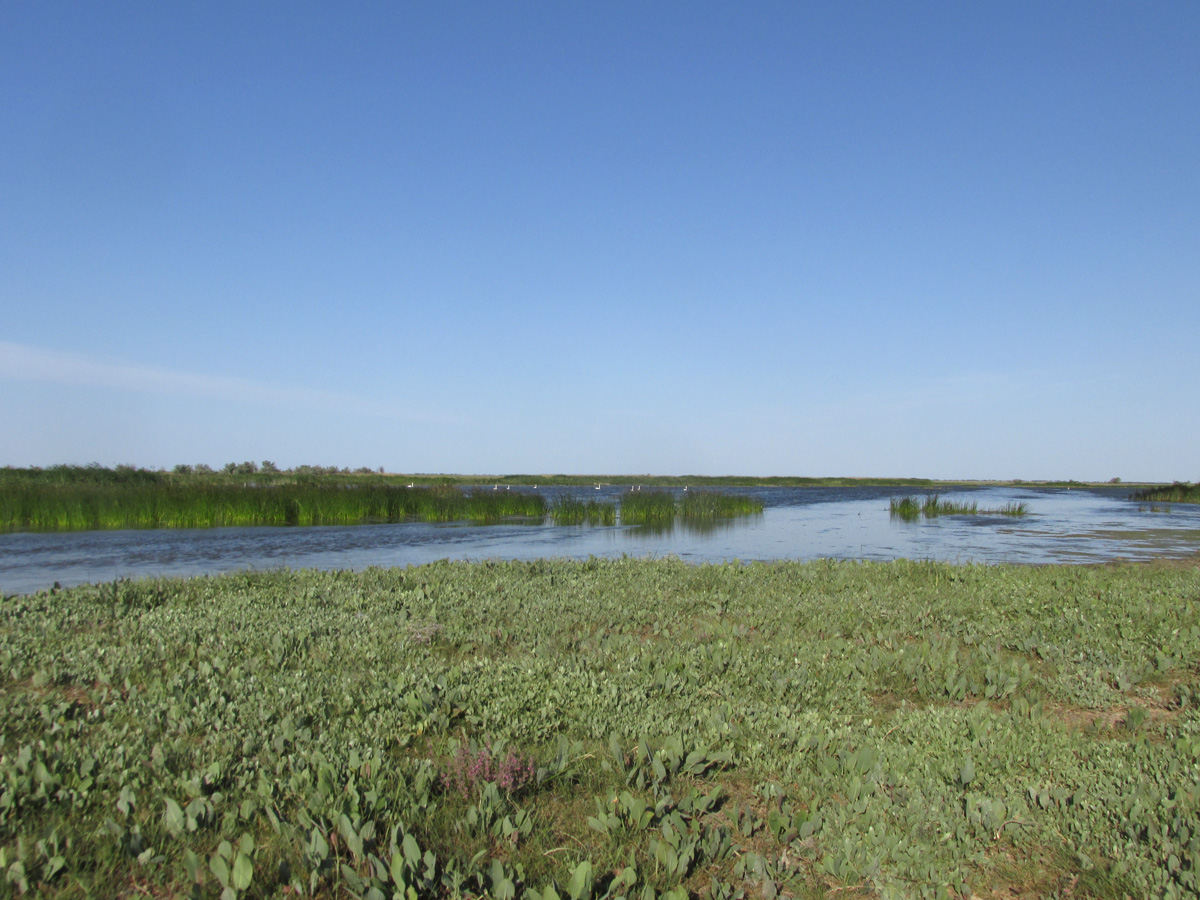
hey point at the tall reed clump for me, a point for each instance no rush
(714, 505)
(1011, 509)
(909, 509)
(574, 511)
(1179, 492)
(82, 506)
(648, 508)
(935, 506)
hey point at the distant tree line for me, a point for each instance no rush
(94, 473)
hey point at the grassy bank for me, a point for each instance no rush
(200, 504)
(620, 728)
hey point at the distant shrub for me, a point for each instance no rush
(470, 769)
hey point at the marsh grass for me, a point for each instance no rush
(905, 508)
(909, 509)
(662, 509)
(76, 507)
(1179, 492)
(700, 505)
(648, 508)
(91, 498)
(935, 506)
(1010, 509)
(575, 511)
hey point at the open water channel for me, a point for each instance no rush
(1064, 525)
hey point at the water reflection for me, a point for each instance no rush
(683, 525)
(797, 523)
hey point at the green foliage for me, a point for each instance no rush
(606, 728)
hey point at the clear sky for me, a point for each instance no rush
(954, 240)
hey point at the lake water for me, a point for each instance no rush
(1063, 526)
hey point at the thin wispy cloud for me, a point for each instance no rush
(28, 363)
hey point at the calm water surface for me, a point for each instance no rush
(1064, 526)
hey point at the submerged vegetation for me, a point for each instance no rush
(606, 728)
(910, 509)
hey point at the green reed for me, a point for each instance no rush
(1010, 509)
(713, 505)
(909, 509)
(196, 504)
(574, 511)
(647, 508)
(935, 506)
(905, 508)
(1179, 492)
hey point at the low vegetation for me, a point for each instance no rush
(590, 729)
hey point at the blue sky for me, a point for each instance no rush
(953, 240)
